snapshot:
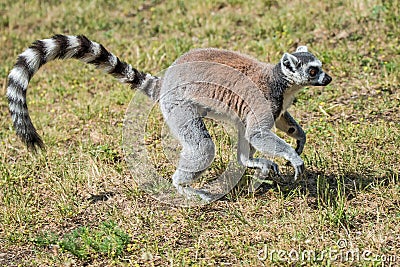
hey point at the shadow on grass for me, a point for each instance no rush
(102, 196)
(326, 193)
(325, 188)
(318, 183)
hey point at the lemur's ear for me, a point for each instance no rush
(302, 48)
(289, 62)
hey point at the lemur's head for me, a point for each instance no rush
(303, 68)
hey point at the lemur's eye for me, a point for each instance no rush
(313, 71)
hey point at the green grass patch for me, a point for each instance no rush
(106, 240)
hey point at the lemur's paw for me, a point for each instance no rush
(275, 169)
(299, 170)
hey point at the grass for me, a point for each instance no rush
(62, 206)
(86, 243)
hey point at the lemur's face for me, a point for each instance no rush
(303, 68)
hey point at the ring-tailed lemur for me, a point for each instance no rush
(258, 93)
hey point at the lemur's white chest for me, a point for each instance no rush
(288, 97)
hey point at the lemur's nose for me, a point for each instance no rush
(327, 79)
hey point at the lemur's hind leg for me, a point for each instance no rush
(198, 149)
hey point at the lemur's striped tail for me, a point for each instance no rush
(63, 47)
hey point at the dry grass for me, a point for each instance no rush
(63, 197)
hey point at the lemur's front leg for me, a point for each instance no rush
(287, 124)
(245, 157)
(265, 141)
